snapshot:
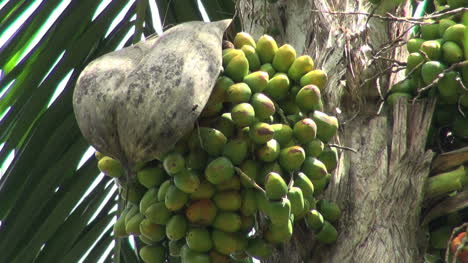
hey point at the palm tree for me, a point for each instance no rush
(56, 208)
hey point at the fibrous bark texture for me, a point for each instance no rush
(379, 188)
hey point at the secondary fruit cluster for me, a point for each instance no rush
(438, 62)
(253, 165)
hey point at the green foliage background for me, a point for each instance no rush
(44, 217)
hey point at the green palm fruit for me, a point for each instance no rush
(282, 133)
(227, 58)
(460, 127)
(219, 90)
(304, 211)
(187, 181)
(327, 234)
(163, 189)
(196, 160)
(275, 186)
(228, 200)
(175, 199)
(432, 49)
(430, 71)
(444, 24)
(173, 163)
(243, 115)
(314, 220)
(326, 125)
(119, 226)
(266, 48)
(413, 45)
(259, 249)
(279, 211)
(300, 67)
(314, 148)
(232, 183)
(261, 132)
(264, 107)
(153, 232)
(146, 240)
(150, 197)
(305, 130)
(239, 92)
(151, 176)
(308, 98)
(237, 68)
(315, 77)
(225, 125)
(297, 200)
(257, 81)
(227, 49)
(252, 57)
(219, 258)
(176, 227)
(268, 68)
(448, 86)
(175, 247)
(262, 202)
(414, 60)
(196, 257)
(224, 243)
(243, 38)
(452, 53)
(199, 239)
(249, 204)
(110, 167)
(99, 155)
(132, 193)
(321, 184)
(291, 158)
(277, 234)
(314, 168)
(247, 223)
(132, 210)
(284, 58)
(236, 150)
(212, 140)
(153, 254)
(201, 212)
(158, 213)
(455, 33)
(405, 86)
(289, 105)
(227, 222)
(278, 87)
(219, 170)
(430, 31)
(330, 210)
(329, 157)
(132, 227)
(303, 182)
(269, 152)
(267, 168)
(211, 109)
(251, 169)
(440, 237)
(204, 191)
(444, 115)
(392, 99)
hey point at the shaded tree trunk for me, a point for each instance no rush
(379, 188)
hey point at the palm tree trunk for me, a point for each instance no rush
(379, 188)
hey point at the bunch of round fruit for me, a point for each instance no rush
(253, 165)
(438, 64)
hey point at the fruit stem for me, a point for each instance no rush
(444, 183)
(246, 177)
(281, 113)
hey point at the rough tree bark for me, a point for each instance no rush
(379, 188)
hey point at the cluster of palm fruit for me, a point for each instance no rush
(436, 66)
(254, 163)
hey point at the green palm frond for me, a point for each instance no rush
(54, 207)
